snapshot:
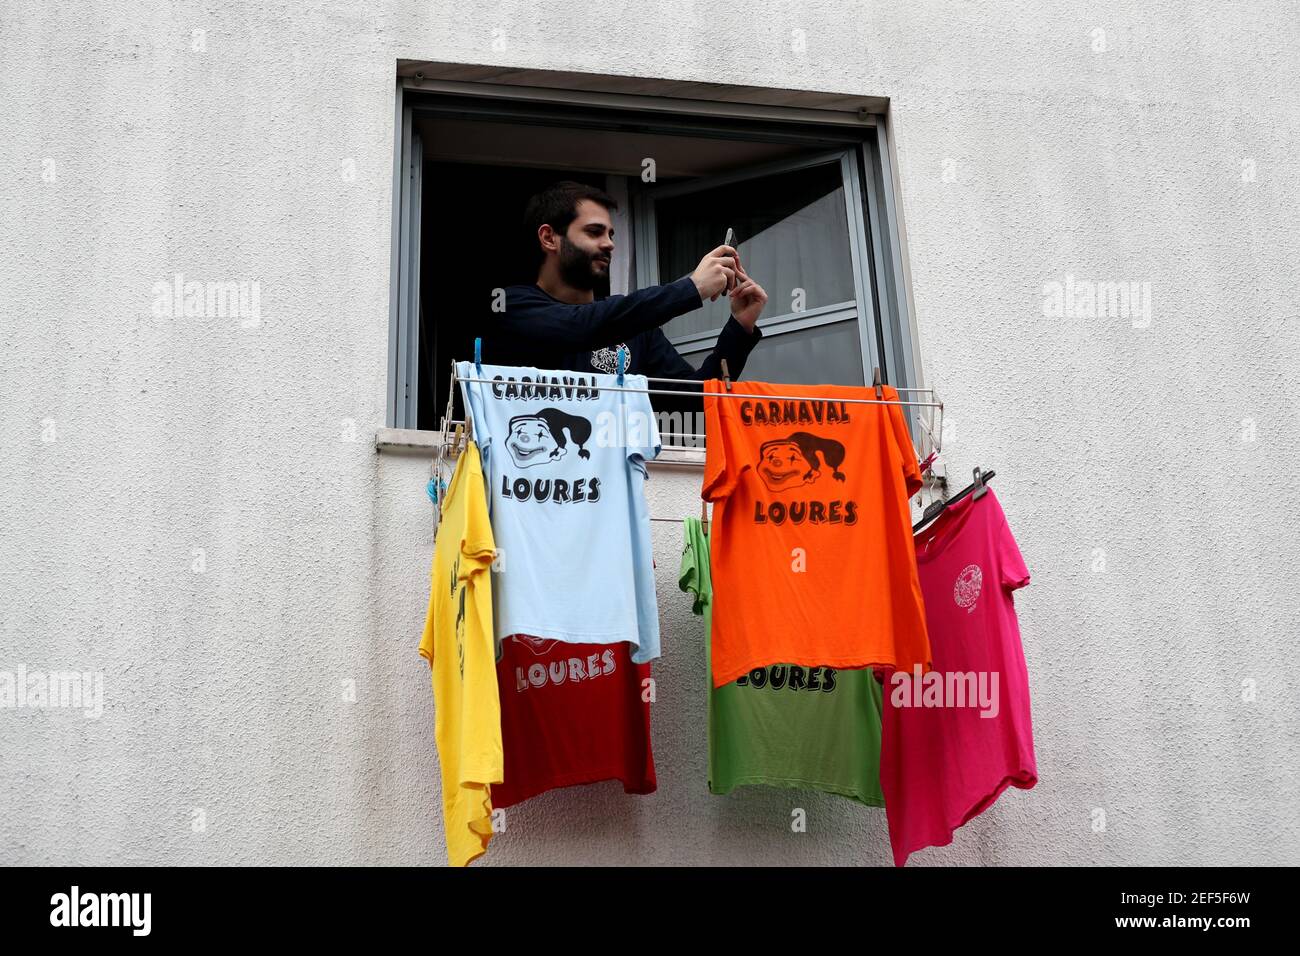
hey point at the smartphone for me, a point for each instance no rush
(730, 240)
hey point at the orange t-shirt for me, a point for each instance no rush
(811, 538)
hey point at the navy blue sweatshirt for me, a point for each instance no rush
(539, 330)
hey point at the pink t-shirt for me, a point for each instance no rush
(953, 739)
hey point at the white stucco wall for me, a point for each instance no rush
(1025, 154)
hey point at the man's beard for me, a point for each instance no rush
(576, 266)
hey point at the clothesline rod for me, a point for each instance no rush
(695, 381)
(452, 423)
(751, 395)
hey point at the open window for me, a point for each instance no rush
(808, 192)
(799, 226)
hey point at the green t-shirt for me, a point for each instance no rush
(786, 725)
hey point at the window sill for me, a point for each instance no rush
(407, 440)
(677, 456)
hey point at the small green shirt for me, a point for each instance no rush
(786, 725)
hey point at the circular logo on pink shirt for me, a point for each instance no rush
(967, 589)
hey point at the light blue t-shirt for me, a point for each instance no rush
(564, 458)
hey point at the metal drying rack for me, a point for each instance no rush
(448, 422)
(461, 430)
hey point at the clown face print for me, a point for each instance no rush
(785, 463)
(782, 465)
(544, 437)
(530, 441)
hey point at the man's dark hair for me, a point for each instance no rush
(557, 205)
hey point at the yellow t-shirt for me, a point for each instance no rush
(458, 644)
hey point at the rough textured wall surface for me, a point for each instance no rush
(193, 506)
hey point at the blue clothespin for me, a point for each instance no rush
(478, 357)
(622, 363)
(436, 489)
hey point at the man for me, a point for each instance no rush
(557, 322)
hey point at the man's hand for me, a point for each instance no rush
(747, 299)
(716, 273)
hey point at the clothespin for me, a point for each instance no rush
(980, 487)
(726, 375)
(451, 398)
(622, 364)
(704, 517)
(875, 381)
(478, 357)
(455, 441)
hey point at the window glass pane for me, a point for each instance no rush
(824, 355)
(793, 234)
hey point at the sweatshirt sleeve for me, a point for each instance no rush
(591, 325)
(734, 344)
(662, 360)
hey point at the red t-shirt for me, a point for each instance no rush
(571, 714)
